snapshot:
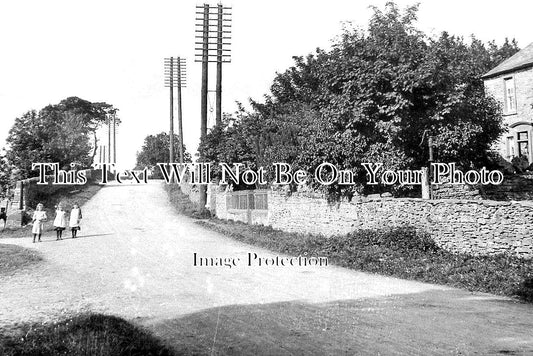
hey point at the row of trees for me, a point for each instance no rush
(67, 133)
(372, 98)
(63, 133)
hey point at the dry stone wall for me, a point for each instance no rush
(519, 187)
(470, 226)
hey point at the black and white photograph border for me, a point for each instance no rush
(266, 178)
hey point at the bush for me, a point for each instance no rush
(407, 238)
(496, 161)
(520, 164)
(525, 290)
(400, 252)
(86, 334)
(26, 218)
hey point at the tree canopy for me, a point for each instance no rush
(5, 174)
(372, 98)
(156, 149)
(62, 133)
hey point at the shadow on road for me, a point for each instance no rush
(415, 324)
(77, 237)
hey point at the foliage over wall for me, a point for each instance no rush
(372, 97)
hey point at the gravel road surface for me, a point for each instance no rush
(134, 258)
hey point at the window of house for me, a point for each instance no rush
(510, 97)
(510, 147)
(523, 144)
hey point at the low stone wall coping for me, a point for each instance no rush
(459, 225)
(358, 200)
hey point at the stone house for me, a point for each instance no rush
(511, 84)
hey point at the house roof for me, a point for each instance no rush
(520, 60)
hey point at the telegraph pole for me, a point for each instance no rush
(171, 133)
(114, 137)
(219, 65)
(203, 118)
(181, 72)
(108, 139)
(427, 192)
(430, 163)
(205, 68)
(175, 76)
(214, 25)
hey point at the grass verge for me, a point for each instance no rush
(13, 258)
(183, 205)
(66, 196)
(402, 252)
(86, 334)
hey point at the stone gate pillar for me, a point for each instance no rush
(17, 208)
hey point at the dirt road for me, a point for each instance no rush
(135, 258)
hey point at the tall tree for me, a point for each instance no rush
(90, 116)
(372, 98)
(5, 174)
(59, 133)
(156, 149)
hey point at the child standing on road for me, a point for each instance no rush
(75, 218)
(60, 222)
(38, 219)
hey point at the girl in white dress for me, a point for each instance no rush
(38, 219)
(75, 218)
(60, 222)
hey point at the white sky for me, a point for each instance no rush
(113, 51)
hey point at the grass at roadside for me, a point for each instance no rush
(86, 334)
(404, 253)
(13, 258)
(66, 196)
(183, 205)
